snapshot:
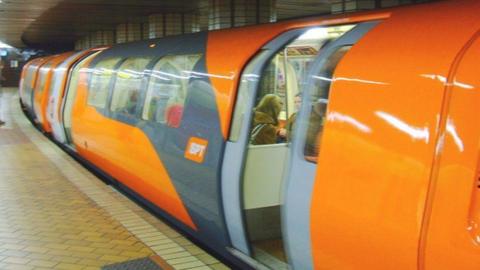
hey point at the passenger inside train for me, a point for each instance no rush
(265, 120)
(132, 103)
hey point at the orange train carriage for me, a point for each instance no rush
(42, 89)
(379, 170)
(27, 82)
(59, 103)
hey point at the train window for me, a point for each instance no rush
(319, 100)
(98, 90)
(128, 85)
(167, 88)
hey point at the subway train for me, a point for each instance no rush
(346, 141)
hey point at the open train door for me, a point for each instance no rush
(267, 185)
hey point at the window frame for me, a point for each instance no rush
(109, 85)
(140, 92)
(149, 83)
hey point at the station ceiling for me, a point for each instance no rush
(59, 23)
(36, 23)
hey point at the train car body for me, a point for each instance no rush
(27, 82)
(60, 82)
(379, 166)
(43, 87)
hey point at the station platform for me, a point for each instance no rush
(55, 214)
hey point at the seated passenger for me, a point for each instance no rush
(154, 109)
(265, 120)
(173, 115)
(131, 106)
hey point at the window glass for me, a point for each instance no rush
(99, 85)
(167, 88)
(319, 100)
(128, 85)
(43, 74)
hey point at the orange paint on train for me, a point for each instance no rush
(41, 92)
(109, 145)
(454, 223)
(374, 171)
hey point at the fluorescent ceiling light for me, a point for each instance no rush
(4, 45)
(314, 33)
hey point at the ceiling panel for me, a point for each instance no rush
(59, 23)
(41, 23)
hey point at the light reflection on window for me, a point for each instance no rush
(99, 85)
(128, 84)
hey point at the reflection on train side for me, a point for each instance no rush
(416, 133)
(349, 80)
(444, 80)
(452, 130)
(339, 117)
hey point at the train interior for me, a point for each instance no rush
(286, 76)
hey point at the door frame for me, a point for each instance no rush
(235, 150)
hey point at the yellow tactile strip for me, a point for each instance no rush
(42, 167)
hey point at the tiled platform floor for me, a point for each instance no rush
(54, 214)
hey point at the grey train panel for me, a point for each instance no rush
(197, 184)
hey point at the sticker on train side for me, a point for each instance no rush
(196, 149)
